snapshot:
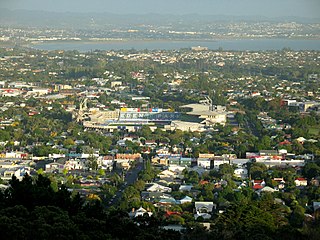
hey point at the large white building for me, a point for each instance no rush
(129, 119)
(186, 126)
(210, 114)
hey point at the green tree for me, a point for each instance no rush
(226, 170)
(101, 172)
(311, 170)
(257, 170)
(92, 162)
(297, 217)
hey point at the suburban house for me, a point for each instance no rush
(106, 162)
(167, 201)
(204, 209)
(281, 182)
(54, 166)
(177, 169)
(186, 188)
(218, 161)
(122, 164)
(185, 161)
(139, 212)
(241, 173)
(205, 163)
(301, 182)
(171, 213)
(315, 182)
(177, 228)
(316, 206)
(167, 174)
(162, 160)
(74, 164)
(268, 189)
(268, 152)
(18, 172)
(174, 160)
(258, 184)
(257, 187)
(186, 199)
(155, 187)
(153, 196)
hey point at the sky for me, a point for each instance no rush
(267, 8)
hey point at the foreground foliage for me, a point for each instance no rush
(31, 209)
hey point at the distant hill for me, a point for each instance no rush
(25, 18)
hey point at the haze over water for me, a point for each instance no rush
(267, 8)
(271, 9)
(237, 45)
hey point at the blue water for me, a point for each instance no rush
(237, 45)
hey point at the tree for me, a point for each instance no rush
(139, 185)
(131, 198)
(41, 151)
(297, 217)
(145, 132)
(40, 171)
(115, 179)
(311, 170)
(191, 177)
(244, 222)
(226, 169)
(92, 162)
(297, 147)
(257, 170)
(265, 142)
(68, 142)
(240, 118)
(4, 135)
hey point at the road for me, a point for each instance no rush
(129, 179)
(251, 127)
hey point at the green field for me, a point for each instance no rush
(314, 131)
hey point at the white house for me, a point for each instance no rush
(241, 173)
(158, 188)
(205, 163)
(301, 182)
(166, 174)
(185, 188)
(116, 83)
(218, 162)
(139, 212)
(204, 209)
(281, 182)
(74, 164)
(18, 172)
(106, 163)
(316, 206)
(176, 168)
(268, 189)
(54, 166)
(186, 199)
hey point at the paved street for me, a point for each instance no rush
(129, 179)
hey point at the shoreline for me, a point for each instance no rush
(233, 44)
(124, 40)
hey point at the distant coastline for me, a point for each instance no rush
(163, 44)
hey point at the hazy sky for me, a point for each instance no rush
(269, 8)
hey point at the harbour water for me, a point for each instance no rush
(234, 44)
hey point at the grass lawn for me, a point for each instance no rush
(314, 131)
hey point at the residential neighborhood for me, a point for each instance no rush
(186, 138)
(160, 120)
